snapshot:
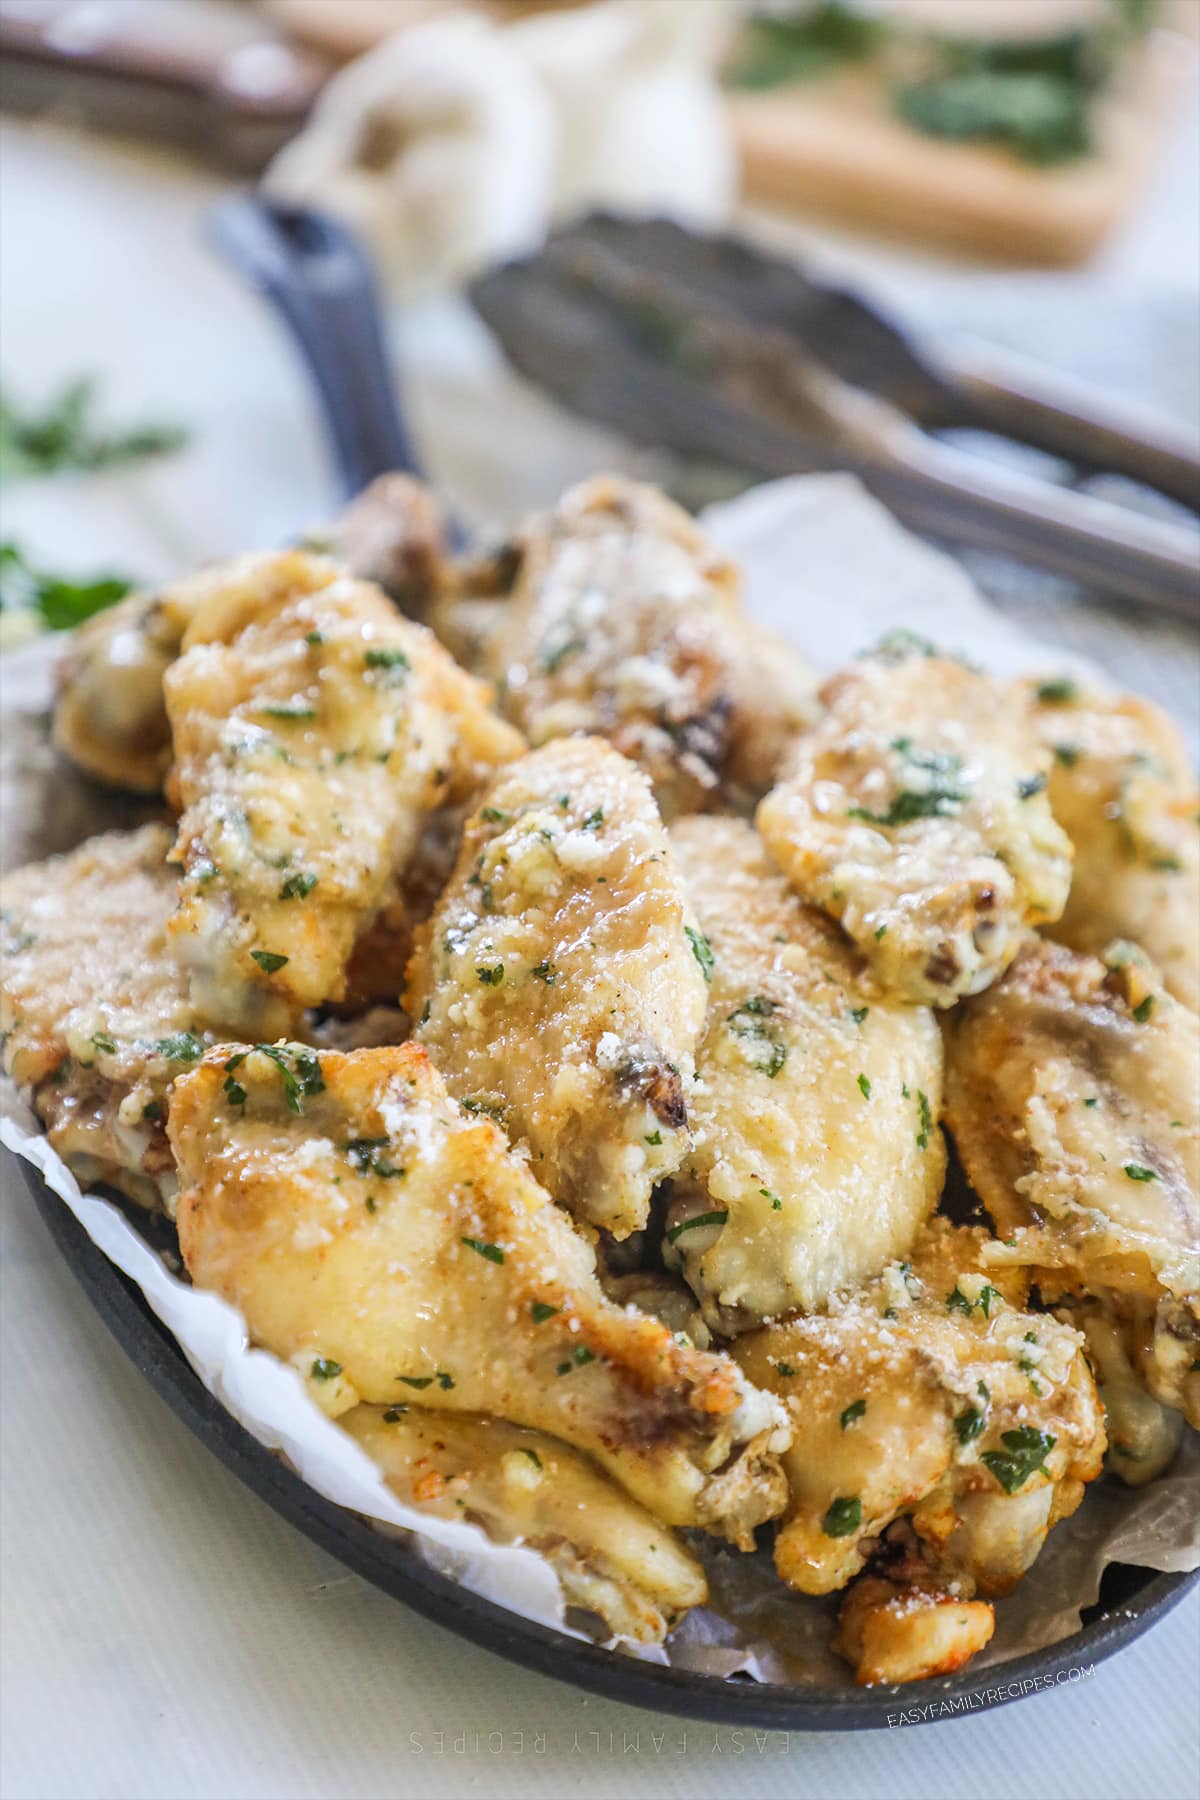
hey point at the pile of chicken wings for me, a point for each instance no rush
(541, 1022)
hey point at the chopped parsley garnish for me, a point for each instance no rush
(768, 1052)
(880, 932)
(654, 1139)
(364, 1154)
(102, 1042)
(314, 638)
(859, 1013)
(541, 1310)
(864, 1087)
(60, 601)
(969, 1425)
(987, 1294)
(492, 1108)
(235, 1093)
(299, 1067)
(853, 1412)
(416, 1381)
(493, 815)
(594, 820)
(708, 1218)
(490, 1252)
(956, 1301)
(546, 972)
(926, 1120)
(394, 1414)
(386, 659)
(1139, 1172)
(298, 886)
(558, 644)
(910, 804)
(490, 974)
(1067, 754)
(269, 961)
(1029, 785)
(324, 1368)
(843, 1518)
(289, 709)
(579, 1356)
(533, 1456)
(1141, 1011)
(1057, 692)
(1024, 1454)
(702, 951)
(776, 1202)
(152, 1111)
(785, 1369)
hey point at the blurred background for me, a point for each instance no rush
(992, 175)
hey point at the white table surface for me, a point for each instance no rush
(162, 1632)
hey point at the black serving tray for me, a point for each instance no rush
(1131, 1599)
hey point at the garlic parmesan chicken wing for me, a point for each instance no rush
(611, 1556)
(624, 621)
(110, 717)
(560, 983)
(915, 815)
(817, 1155)
(929, 1394)
(314, 731)
(1123, 790)
(1073, 1092)
(94, 1011)
(398, 1252)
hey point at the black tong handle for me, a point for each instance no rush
(316, 276)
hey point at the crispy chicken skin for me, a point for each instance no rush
(817, 1156)
(909, 1630)
(625, 621)
(915, 815)
(1073, 1090)
(93, 1008)
(1122, 788)
(314, 731)
(359, 1219)
(611, 1556)
(929, 1393)
(110, 718)
(557, 986)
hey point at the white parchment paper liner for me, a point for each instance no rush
(829, 568)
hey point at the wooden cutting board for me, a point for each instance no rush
(834, 147)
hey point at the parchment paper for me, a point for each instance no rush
(829, 568)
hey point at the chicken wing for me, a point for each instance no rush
(1122, 788)
(560, 983)
(111, 717)
(94, 1011)
(383, 1240)
(915, 815)
(929, 1393)
(817, 1153)
(624, 621)
(1073, 1092)
(315, 731)
(611, 1556)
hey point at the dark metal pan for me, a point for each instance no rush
(1131, 1599)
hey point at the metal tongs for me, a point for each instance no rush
(711, 348)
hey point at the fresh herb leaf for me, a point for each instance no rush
(1139, 1172)
(854, 1411)
(59, 602)
(1143, 1009)
(182, 1046)
(490, 1252)
(969, 1425)
(1059, 692)
(269, 961)
(324, 1368)
(364, 1154)
(386, 659)
(64, 435)
(298, 886)
(864, 1087)
(490, 974)
(843, 1517)
(1024, 1454)
(702, 951)
(709, 1218)
(541, 1311)
(1029, 785)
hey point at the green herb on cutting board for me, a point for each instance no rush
(33, 599)
(65, 435)
(1032, 96)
